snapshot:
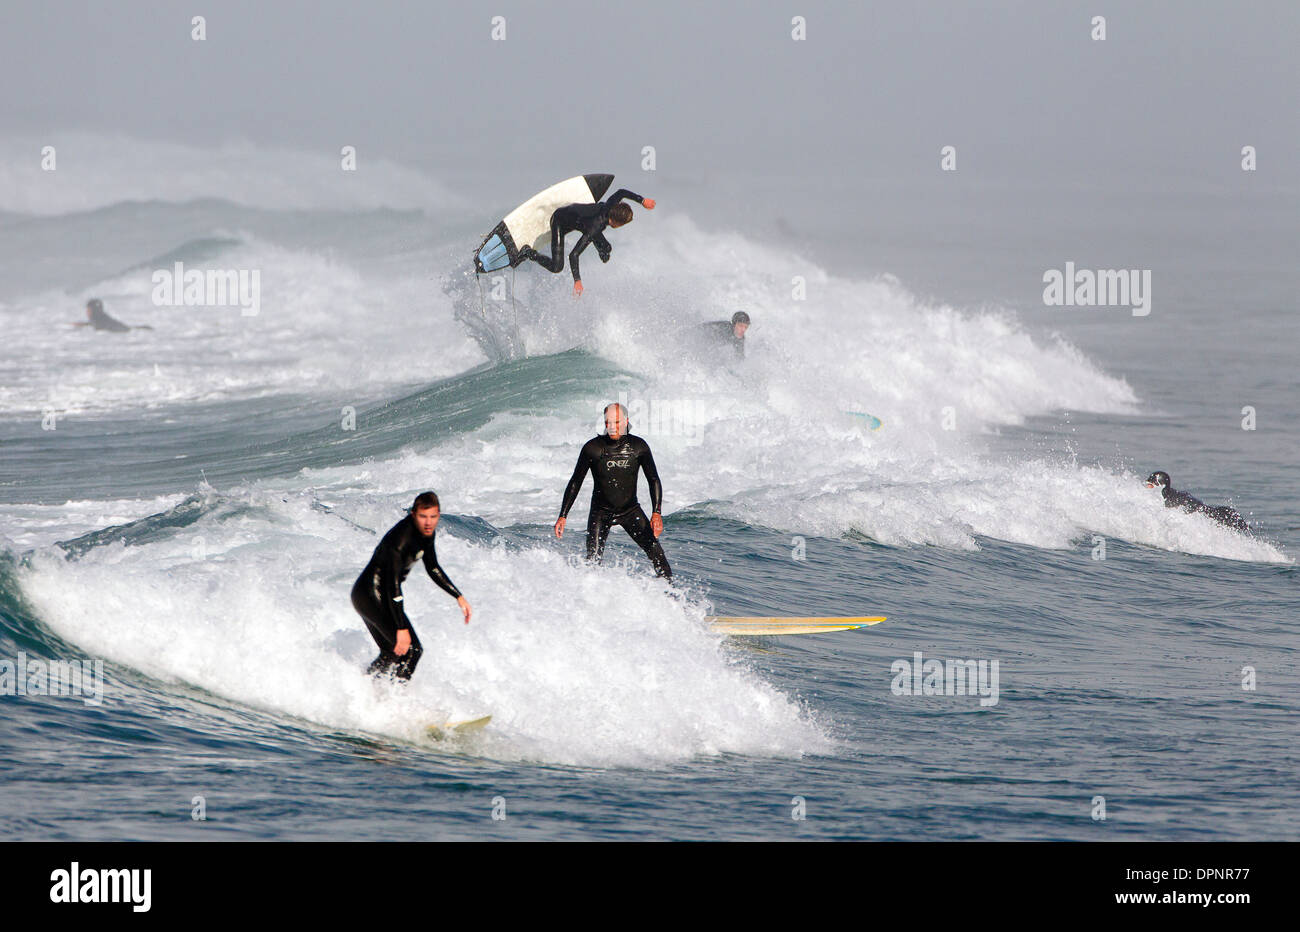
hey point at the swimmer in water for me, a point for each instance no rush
(1223, 514)
(728, 333)
(99, 319)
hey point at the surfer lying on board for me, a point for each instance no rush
(1173, 499)
(377, 593)
(591, 220)
(99, 319)
(614, 458)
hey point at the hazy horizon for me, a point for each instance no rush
(1023, 92)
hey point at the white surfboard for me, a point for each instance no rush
(529, 224)
(781, 626)
(457, 729)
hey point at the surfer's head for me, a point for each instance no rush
(616, 424)
(620, 214)
(425, 512)
(1158, 480)
(94, 306)
(739, 324)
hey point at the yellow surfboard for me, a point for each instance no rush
(779, 626)
(457, 729)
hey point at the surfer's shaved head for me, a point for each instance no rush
(620, 214)
(615, 420)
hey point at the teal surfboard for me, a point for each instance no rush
(873, 422)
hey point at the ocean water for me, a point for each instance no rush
(189, 505)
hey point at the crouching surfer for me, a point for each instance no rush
(377, 594)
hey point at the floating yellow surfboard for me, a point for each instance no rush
(457, 729)
(777, 626)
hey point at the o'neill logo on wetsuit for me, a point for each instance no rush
(610, 464)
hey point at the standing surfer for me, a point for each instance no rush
(377, 593)
(591, 220)
(614, 458)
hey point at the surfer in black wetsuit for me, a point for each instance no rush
(377, 593)
(614, 459)
(590, 220)
(99, 319)
(729, 332)
(1173, 499)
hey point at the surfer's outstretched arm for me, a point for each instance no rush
(656, 489)
(652, 480)
(437, 573)
(647, 203)
(440, 578)
(576, 251)
(572, 489)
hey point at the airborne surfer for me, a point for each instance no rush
(377, 593)
(614, 459)
(1223, 514)
(590, 220)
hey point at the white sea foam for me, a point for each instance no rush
(777, 446)
(322, 326)
(576, 664)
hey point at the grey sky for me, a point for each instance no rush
(1019, 88)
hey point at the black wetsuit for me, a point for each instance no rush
(377, 594)
(1221, 513)
(591, 220)
(723, 332)
(614, 465)
(100, 320)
